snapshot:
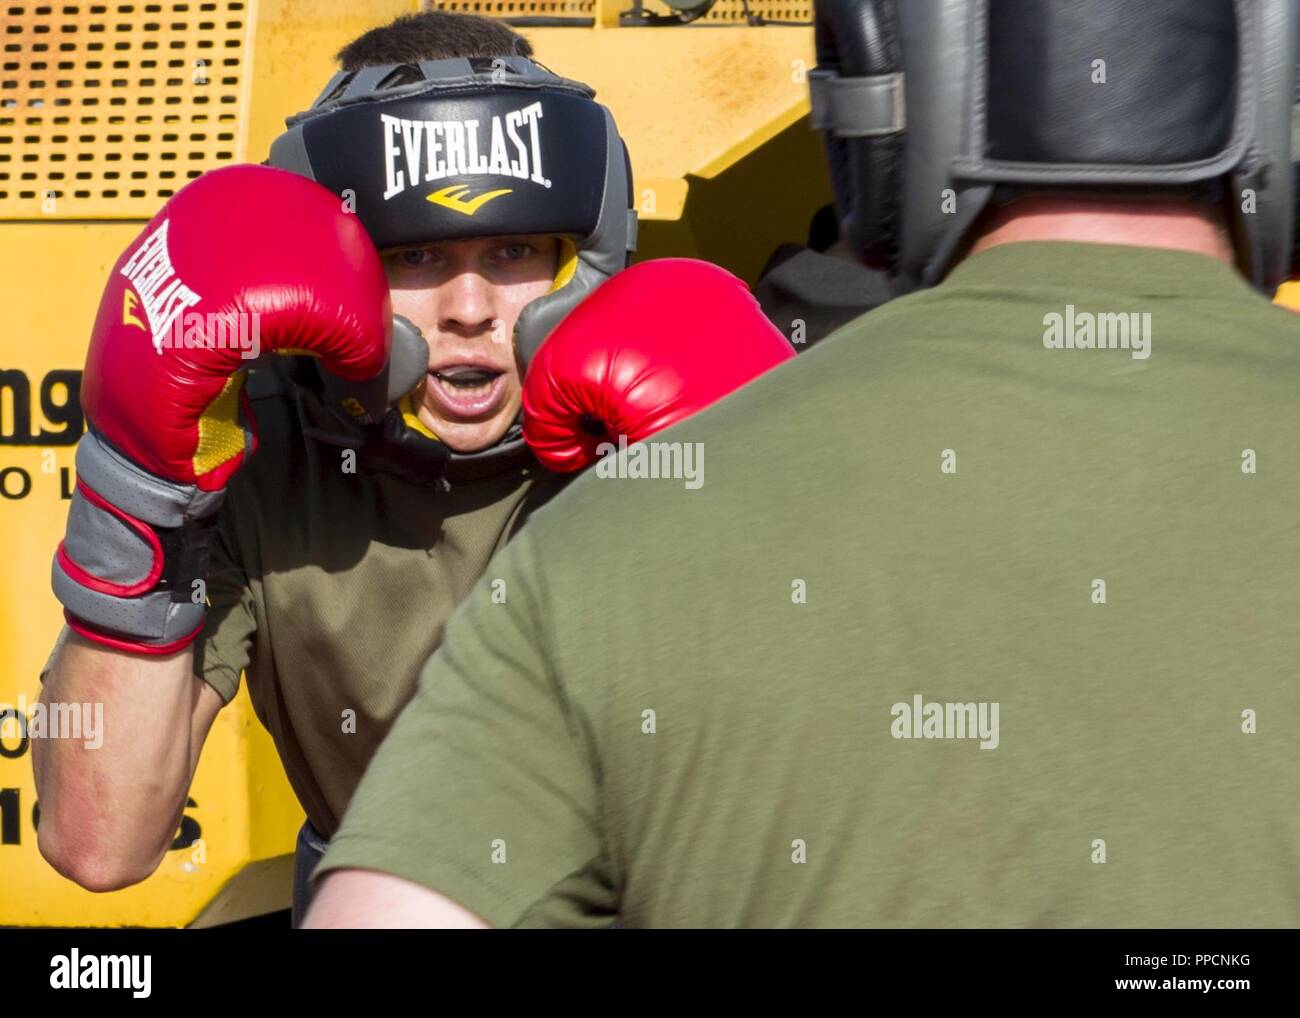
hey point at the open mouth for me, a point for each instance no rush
(467, 391)
(467, 379)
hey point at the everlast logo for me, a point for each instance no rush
(159, 289)
(418, 151)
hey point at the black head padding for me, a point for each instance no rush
(1193, 98)
(858, 43)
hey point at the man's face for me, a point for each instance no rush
(465, 295)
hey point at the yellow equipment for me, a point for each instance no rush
(1288, 295)
(108, 108)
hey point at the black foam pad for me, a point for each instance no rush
(860, 39)
(1168, 94)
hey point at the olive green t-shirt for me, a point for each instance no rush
(962, 628)
(331, 585)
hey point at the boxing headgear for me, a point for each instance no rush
(452, 149)
(474, 147)
(932, 109)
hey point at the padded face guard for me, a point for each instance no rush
(1010, 96)
(454, 149)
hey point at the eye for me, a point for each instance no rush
(414, 258)
(517, 252)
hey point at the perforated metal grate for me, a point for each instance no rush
(769, 10)
(725, 11)
(520, 8)
(107, 108)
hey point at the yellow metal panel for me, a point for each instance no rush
(294, 45)
(106, 109)
(738, 217)
(1288, 295)
(242, 808)
(689, 101)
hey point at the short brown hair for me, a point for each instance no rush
(432, 35)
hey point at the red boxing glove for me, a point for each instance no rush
(268, 254)
(244, 261)
(653, 345)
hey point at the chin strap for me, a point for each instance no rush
(394, 447)
(510, 452)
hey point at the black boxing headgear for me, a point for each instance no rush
(474, 147)
(931, 109)
(463, 148)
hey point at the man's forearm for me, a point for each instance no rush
(110, 802)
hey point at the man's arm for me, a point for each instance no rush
(167, 428)
(364, 899)
(109, 812)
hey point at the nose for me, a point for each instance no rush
(466, 307)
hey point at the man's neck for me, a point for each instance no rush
(1175, 225)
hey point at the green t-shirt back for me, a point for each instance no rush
(970, 623)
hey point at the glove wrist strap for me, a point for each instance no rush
(135, 545)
